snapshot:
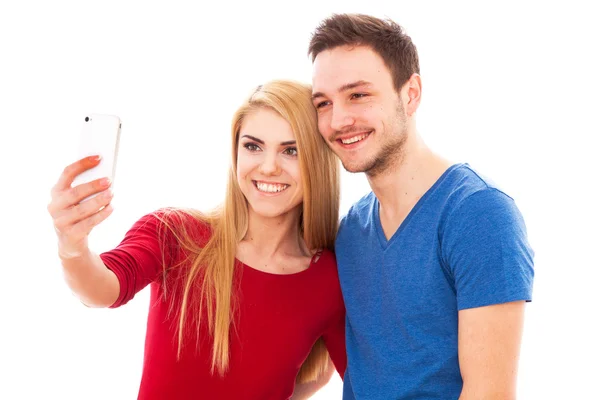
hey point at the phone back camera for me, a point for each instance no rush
(87, 119)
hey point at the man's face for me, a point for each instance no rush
(360, 113)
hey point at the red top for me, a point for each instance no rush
(279, 319)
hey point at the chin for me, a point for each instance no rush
(356, 167)
(271, 211)
(268, 213)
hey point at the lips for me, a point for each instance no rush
(270, 187)
(348, 140)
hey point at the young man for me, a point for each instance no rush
(434, 263)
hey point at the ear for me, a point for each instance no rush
(412, 95)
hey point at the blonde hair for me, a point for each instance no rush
(209, 284)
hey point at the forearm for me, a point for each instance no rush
(90, 280)
(489, 347)
(306, 390)
(486, 394)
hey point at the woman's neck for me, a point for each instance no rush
(272, 236)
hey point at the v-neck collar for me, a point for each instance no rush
(385, 243)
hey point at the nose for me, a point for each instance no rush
(269, 165)
(340, 117)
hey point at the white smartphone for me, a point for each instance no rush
(100, 136)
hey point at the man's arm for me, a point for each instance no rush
(489, 342)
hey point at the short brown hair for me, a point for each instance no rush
(385, 37)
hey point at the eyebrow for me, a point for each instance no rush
(344, 88)
(287, 143)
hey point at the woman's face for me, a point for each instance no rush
(268, 170)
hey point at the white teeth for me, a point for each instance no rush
(355, 139)
(270, 187)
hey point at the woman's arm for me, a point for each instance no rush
(74, 219)
(307, 390)
(90, 280)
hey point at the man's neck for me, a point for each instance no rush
(400, 187)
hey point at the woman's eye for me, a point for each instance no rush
(251, 147)
(291, 151)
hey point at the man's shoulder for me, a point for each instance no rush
(361, 210)
(463, 185)
(473, 197)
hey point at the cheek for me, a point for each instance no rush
(291, 168)
(373, 117)
(369, 113)
(323, 124)
(243, 168)
(296, 175)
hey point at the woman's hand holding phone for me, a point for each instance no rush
(74, 219)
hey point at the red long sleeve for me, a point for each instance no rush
(278, 320)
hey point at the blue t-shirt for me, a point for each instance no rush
(463, 245)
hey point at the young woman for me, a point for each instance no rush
(245, 300)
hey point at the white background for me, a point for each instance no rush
(510, 88)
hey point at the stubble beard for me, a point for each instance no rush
(391, 154)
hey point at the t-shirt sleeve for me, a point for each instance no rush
(137, 260)
(485, 247)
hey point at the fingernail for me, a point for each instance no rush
(105, 182)
(95, 158)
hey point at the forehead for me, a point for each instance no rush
(266, 124)
(342, 65)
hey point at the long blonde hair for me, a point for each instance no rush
(209, 284)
